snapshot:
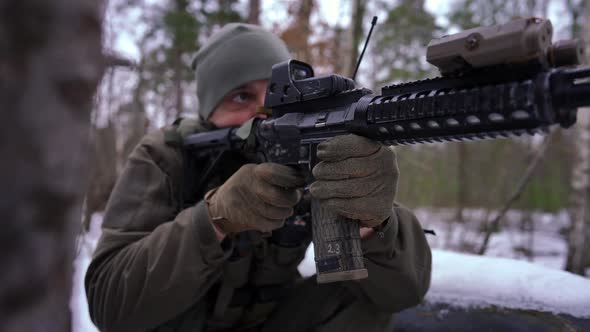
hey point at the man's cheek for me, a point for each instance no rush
(236, 119)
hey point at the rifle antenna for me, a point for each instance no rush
(358, 63)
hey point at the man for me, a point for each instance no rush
(174, 259)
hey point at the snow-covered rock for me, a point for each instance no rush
(469, 280)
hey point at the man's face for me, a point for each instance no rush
(239, 105)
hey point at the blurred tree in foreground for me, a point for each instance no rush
(50, 63)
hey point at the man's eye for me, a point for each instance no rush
(241, 97)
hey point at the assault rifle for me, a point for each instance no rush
(499, 81)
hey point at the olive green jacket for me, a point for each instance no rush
(153, 262)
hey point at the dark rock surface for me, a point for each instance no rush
(442, 317)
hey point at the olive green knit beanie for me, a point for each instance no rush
(235, 55)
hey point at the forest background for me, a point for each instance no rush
(525, 198)
(470, 185)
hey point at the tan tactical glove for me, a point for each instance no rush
(256, 197)
(357, 178)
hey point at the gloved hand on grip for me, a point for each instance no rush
(256, 197)
(357, 178)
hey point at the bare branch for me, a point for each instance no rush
(524, 180)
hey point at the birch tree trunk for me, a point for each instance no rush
(50, 63)
(578, 257)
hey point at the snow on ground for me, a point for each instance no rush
(548, 245)
(80, 317)
(462, 279)
(469, 280)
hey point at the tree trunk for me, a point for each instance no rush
(178, 65)
(461, 198)
(356, 33)
(254, 12)
(297, 35)
(178, 89)
(338, 64)
(50, 64)
(103, 171)
(303, 19)
(462, 181)
(578, 257)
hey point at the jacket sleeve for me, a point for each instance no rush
(399, 262)
(150, 263)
